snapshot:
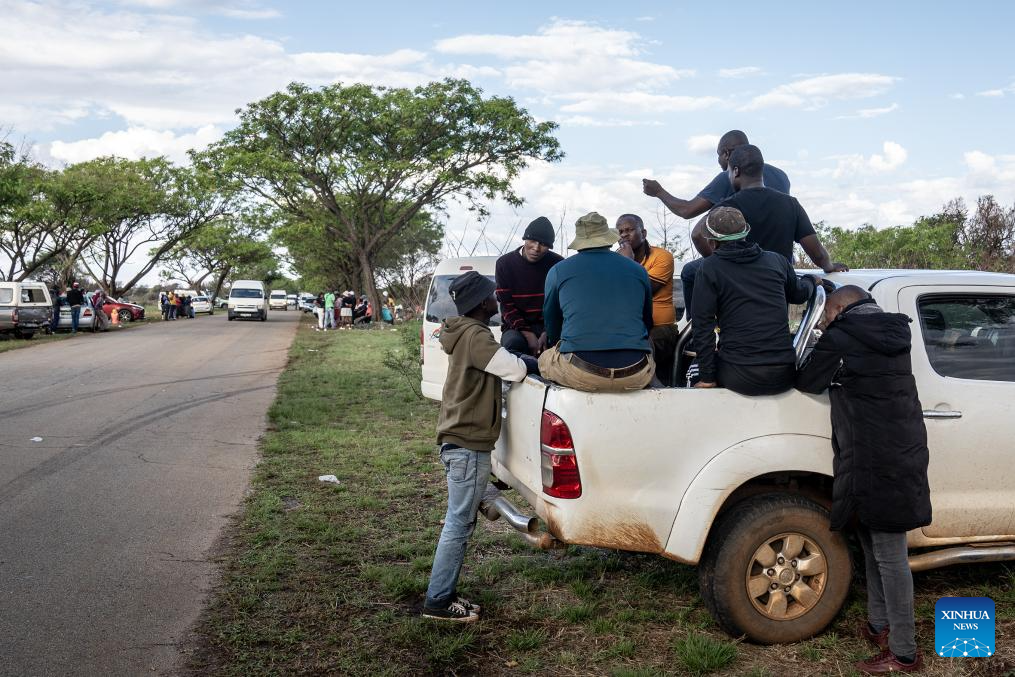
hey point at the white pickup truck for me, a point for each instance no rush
(741, 486)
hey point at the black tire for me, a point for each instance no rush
(231, 317)
(778, 522)
(211, 312)
(125, 315)
(264, 316)
(26, 335)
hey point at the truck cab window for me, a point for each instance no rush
(969, 336)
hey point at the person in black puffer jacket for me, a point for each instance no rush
(880, 485)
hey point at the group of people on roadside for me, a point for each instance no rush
(603, 320)
(336, 310)
(74, 297)
(175, 306)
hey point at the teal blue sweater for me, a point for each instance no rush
(598, 300)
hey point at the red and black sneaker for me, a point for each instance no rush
(878, 639)
(886, 662)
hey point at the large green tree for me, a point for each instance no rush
(210, 254)
(154, 205)
(373, 158)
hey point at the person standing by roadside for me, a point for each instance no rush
(164, 305)
(54, 293)
(521, 279)
(347, 304)
(658, 263)
(171, 303)
(329, 310)
(75, 299)
(319, 311)
(879, 484)
(101, 319)
(467, 429)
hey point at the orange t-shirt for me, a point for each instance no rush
(659, 266)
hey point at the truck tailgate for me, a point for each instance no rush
(516, 458)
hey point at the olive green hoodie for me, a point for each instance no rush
(470, 406)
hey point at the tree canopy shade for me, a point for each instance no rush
(372, 157)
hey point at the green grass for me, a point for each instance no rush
(324, 579)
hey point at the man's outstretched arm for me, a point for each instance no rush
(685, 209)
(819, 255)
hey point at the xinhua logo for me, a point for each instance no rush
(964, 627)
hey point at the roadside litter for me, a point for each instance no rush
(329, 479)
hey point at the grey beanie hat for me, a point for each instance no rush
(540, 230)
(469, 290)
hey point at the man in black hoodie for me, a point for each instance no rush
(744, 291)
(880, 482)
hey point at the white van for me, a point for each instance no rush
(439, 307)
(278, 299)
(247, 298)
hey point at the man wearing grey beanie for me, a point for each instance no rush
(521, 277)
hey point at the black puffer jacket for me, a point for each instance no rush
(878, 436)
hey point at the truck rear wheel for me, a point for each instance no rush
(772, 571)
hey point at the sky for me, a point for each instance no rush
(879, 112)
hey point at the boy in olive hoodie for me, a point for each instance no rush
(467, 430)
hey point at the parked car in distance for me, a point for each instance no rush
(247, 299)
(25, 308)
(278, 300)
(292, 301)
(221, 302)
(87, 320)
(202, 304)
(125, 312)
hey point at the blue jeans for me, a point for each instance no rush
(56, 319)
(467, 472)
(890, 587)
(75, 315)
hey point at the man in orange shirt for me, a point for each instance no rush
(658, 263)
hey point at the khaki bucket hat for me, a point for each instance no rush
(592, 230)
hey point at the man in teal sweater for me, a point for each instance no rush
(598, 313)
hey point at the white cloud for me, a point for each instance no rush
(568, 56)
(816, 92)
(703, 144)
(134, 143)
(742, 72)
(639, 102)
(875, 112)
(588, 121)
(236, 9)
(892, 157)
(991, 93)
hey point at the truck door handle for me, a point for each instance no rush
(934, 413)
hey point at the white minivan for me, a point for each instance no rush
(279, 299)
(247, 298)
(439, 307)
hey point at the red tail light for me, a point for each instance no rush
(558, 462)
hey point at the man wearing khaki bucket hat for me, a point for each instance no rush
(597, 313)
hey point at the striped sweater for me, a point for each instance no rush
(520, 289)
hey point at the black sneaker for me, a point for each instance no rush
(455, 612)
(471, 606)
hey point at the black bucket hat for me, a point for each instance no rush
(469, 290)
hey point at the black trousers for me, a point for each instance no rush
(513, 340)
(764, 379)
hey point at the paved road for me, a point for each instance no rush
(148, 438)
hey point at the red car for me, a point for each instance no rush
(126, 312)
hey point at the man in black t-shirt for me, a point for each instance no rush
(776, 219)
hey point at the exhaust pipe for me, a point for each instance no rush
(967, 554)
(495, 506)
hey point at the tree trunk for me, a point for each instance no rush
(369, 286)
(219, 281)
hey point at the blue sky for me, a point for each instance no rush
(879, 112)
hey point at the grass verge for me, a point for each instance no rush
(326, 579)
